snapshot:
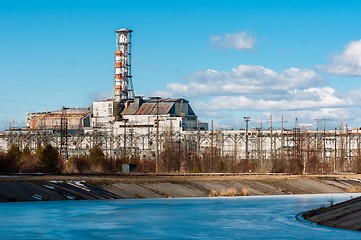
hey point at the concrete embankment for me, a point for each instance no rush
(35, 188)
(343, 215)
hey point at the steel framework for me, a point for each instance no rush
(64, 134)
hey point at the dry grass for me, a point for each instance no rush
(354, 189)
(213, 193)
(245, 191)
(229, 192)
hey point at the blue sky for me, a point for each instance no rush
(300, 59)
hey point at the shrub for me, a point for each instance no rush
(354, 189)
(28, 162)
(229, 192)
(79, 164)
(213, 193)
(245, 191)
(13, 159)
(96, 159)
(5, 164)
(113, 165)
(49, 160)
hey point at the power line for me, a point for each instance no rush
(24, 103)
(10, 111)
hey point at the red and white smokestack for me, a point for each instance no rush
(123, 87)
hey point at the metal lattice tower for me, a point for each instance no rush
(64, 134)
(123, 85)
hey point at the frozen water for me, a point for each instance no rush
(270, 217)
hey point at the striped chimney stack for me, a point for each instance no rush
(123, 86)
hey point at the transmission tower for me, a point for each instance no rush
(64, 134)
(123, 85)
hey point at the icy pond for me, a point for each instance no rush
(270, 217)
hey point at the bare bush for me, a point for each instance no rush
(244, 191)
(78, 164)
(213, 193)
(6, 164)
(29, 162)
(229, 192)
(354, 189)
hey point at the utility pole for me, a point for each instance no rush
(125, 138)
(157, 133)
(247, 119)
(334, 162)
(261, 141)
(157, 139)
(271, 137)
(212, 150)
(282, 137)
(358, 142)
(235, 147)
(198, 138)
(64, 134)
(324, 143)
(297, 148)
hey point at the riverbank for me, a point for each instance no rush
(70, 187)
(343, 215)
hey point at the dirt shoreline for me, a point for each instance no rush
(63, 187)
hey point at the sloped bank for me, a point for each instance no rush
(65, 187)
(343, 215)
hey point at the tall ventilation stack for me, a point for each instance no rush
(123, 85)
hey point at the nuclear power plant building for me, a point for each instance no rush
(127, 125)
(114, 124)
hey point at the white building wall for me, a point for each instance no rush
(3, 144)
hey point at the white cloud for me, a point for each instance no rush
(329, 118)
(356, 95)
(311, 98)
(238, 41)
(348, 62)
(226, 96)
(249, 90)
(99, 96)
(245, 80)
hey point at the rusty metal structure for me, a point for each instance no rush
(51, 120)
